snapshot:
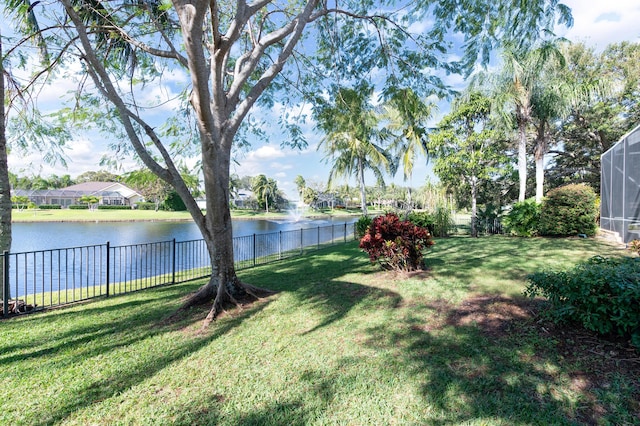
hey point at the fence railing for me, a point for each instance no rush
(47, 278)
(462, 226)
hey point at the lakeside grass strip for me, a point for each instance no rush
(342, 343)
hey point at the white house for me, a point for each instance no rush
(109, 193)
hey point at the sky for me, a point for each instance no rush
(596, 23)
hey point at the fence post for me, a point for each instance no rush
(280, 247)
(254, 249)
(301, 241)
(173, 262)
(333, 234)
(5, 283)
(318, 238)
(345, 232)
(108, 266)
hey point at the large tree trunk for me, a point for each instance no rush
(363, 195)
(224, 286)
(539, 152)
(5, 188)
(522, 157)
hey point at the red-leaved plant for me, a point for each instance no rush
(395, 244)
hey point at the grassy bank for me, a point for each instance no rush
(66, 215)
(341, 343)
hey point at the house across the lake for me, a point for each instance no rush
(109, 193)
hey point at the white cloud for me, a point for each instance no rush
(83, 156)
(599, 23)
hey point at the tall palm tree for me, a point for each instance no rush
(265, 189)
(512, 92)
(350, 127)
(406, 116)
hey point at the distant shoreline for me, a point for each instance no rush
(105, 216)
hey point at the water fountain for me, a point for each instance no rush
(295, 213)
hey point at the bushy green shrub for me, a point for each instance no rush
(78, 207)
(50, 206)
(174, 203)
(443, 222)
(395, 244)
(112, 207)
(569, 210)
(146, 206)
(423, 219)
(601, 294)
(524, 218)
(362, 225)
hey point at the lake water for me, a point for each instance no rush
(46, 235)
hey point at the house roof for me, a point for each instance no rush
(102, 188)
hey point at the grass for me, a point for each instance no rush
(341, 343)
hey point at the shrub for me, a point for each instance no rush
(174, 203)
(443, 222)
(601, 294)
(569, 210)
(146, 206)
(395, 244)
(362, 225)
(523, 219)
(424, 220)
(50, 206)
(113, 207)
(79, 207)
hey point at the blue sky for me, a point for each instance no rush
(597, 23)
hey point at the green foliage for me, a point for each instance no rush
(443, 223)
(50, 206)
(523, 219)
(79, 207)
(601, 294)
(395, 244)
(113, 207)
(569, 210)
(362, 225)
(174, 203)
(146, 206)
(423, 219)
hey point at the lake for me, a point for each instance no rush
(54, 235)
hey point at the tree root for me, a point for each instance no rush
(223, 298)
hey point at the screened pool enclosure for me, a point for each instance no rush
(620, 187)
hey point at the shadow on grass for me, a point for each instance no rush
(106, 318)
(100, 332)
(320, 281)
(503, 257)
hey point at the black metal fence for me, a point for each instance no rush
(462, 226)
(47, 278)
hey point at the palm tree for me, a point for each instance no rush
(350, 126)
(407, 115)
(513, 88)
(265, 189)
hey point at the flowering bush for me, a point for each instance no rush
(395, 244)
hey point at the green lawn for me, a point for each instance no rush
(341, 343)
